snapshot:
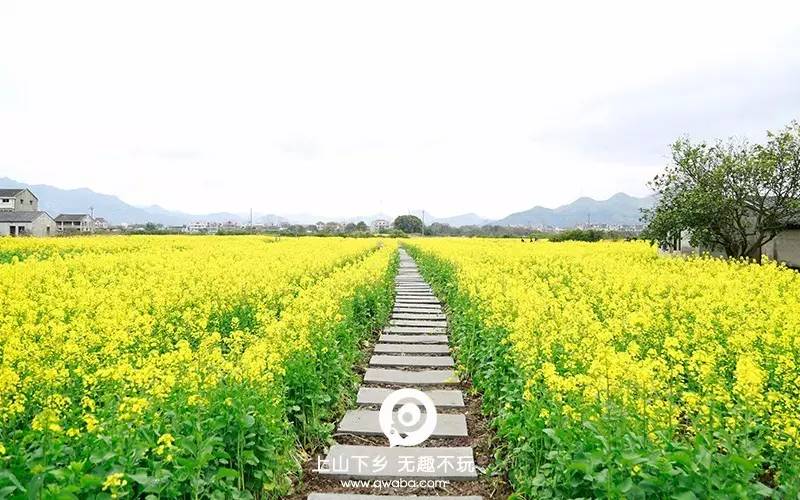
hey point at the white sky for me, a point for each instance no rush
(338, 107)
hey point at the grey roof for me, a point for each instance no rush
(70, 217)
(10, 192)
(20, 216)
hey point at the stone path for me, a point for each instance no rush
(412, 352)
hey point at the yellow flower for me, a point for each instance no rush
(120, 326)
(194, 400)
(47, 419)
(91, 422)
(114, 481)
(166, 439)
(614, 330)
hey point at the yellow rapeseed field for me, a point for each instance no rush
(157, 365)
(614, 371)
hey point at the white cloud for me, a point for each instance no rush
(352, 107)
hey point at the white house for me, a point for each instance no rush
(379, 225)
(75, 223)
(202, 227)
(100, 223)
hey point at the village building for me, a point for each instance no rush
(208, 227)
(785, 247)
(75, 223)
(26, 223)
(101, 223)
(18, 200)
(379, 225)
(20, 215)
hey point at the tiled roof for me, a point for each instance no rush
(20, 216)
(70, 217)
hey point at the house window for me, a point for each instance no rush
(5, 200)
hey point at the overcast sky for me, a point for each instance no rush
(337, 107)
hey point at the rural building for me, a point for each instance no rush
(75, 223)
(202, 227)
(785, 247)
(100, 223)
(379, 225)
(18, 200)
(26, 223)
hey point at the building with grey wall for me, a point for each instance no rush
(26, 223)
(18, 200)
(785, 247)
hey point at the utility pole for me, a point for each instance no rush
(91, 212)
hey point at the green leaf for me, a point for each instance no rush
(142, 478)
(763, 490)
(225, 473)
(248, 421)
(12, 478)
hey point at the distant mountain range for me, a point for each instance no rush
(469, 219)
(619, 209)
(56, 201)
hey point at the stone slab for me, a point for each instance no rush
(440, 398)
(407, 377)
(411, 330)
(357, 462)
(420, 316)
(419, 307)
(365, 423)
(412, 348)
(420, 361)
(416, 310)
(416, 300)
(413, 339)
(419, 323)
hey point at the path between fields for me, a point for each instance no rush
(412, 352)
